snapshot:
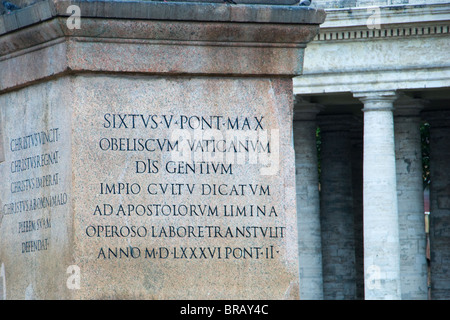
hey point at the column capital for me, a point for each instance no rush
(335, 122)
(305, 110)
(409, 106)
(377, 100)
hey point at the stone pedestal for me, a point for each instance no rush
(149, 153)
(308, 204)
(381, 235)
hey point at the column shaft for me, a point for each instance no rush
(381, 236)
(2, 146)
(357, 189)
(440, 203)
(308, 208)
(336, 208)
(413, 264)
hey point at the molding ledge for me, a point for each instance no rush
(385, 22)
(384, 32)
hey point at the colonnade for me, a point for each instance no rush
(362, 234)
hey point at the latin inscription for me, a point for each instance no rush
(169, 153)
(33, 193)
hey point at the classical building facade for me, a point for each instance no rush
(374, 74)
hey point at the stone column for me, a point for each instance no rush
(2, 159)
(336, 208)
(413, 266)
(2, 142)
(308, 206)
(439, 203)
(381, 237)
(357, 189)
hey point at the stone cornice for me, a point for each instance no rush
(154, 38)
(168, 11)
(385, 32)
(358, 80)
(393, 22)
(181, 33)
(393, 14)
